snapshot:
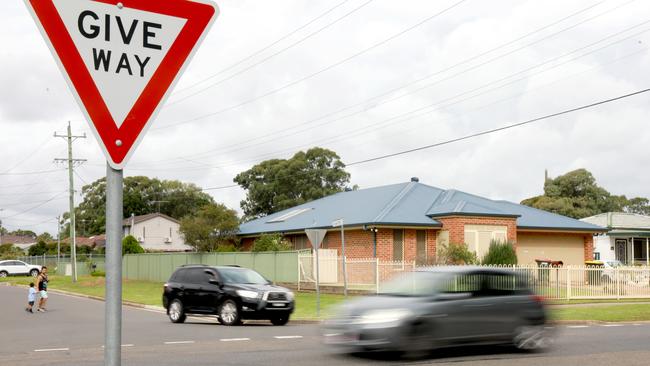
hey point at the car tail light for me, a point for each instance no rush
(538, 298)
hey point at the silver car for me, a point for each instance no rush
(443, 306)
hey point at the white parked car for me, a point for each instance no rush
(17, 268)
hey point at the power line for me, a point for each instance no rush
(265, 47)
(331, 66)
(33, 173)
(38, 148)
(273, 54)
(404, 86)
(441, 103)
(502, 128)
(36, 206)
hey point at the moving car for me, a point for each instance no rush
(443, 306)
(17, 268)
(230, 292)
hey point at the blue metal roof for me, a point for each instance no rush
(406, 204)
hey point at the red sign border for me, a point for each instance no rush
(199, 15)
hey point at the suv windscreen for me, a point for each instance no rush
(242, 275)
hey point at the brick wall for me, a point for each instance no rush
(358, 243)
(589, 247)
(456, 226)
(431, 245)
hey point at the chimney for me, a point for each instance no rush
(415, 179)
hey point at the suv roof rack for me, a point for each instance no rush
(232, 265)
(194, 265)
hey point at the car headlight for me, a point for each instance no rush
(290, 296)
(384, 316)
(248, 294)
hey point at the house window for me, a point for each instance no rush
(478, 237)
(398, 244)
(144, 233)
(170, 232)
(301, 242)
(596, 256)
(421, 247)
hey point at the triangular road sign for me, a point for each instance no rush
(121, 59)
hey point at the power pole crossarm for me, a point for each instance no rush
(71, 162)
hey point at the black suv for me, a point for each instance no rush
(230, 292)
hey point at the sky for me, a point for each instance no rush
(364, 78)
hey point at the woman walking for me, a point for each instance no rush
(41, 283)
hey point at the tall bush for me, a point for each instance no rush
(456, 253)
(500, 253)
(271, 243)
(130, 245)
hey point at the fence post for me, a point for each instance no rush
(568, 283)
(618, 284)
(298, 256)
(377, 275)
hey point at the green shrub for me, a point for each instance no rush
(98, 274)
(226, 248)
(271, 243)
(456, 254)
(500, 253)
(130, 245)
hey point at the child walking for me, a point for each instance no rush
(31, 298)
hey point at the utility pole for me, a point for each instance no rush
(71, 163)
(58, 241)
(159, 202)
(1, 209)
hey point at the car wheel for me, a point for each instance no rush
(280, 320)
(229, 313)
(33, 272)
(4, 274)
(417, 344)
(532, 338)
(176, 312)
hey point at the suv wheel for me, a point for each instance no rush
(3, 274)
(176, 312)
(229, 313)
(33, 272)
(280, 319)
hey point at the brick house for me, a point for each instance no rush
(409, 221)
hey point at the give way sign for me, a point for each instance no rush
(121, 59)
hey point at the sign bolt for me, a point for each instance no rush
(118, 142)
(120, 6)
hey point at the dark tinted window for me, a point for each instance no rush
(196, 275)
(178, 275)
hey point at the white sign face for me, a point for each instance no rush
(122, 48)
(122, 58)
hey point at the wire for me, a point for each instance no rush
(35, 207)
(502, 128)
(222, 187)
(465, 61)
(440, 104)
(263, 48)
(38, 148)
(32, 173)
(273, 54)
(331, 66)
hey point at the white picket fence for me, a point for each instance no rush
(561, 283)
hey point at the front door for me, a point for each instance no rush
(621, 250)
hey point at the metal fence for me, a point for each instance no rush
(62, 264)
(561, 283)
(279, 267)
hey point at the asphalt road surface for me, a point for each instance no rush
(71, 333)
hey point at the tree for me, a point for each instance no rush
(46, 237)
(9, 251)
(130, 245)
(277, 184)
(576, 194)
(39, 248)
(213, 227)
(271, 243)
(20, 232)
(181, 199)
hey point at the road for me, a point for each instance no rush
(71, 333)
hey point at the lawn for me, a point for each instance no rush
(606, 313)
(149, 293)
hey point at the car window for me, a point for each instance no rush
(242, 275)
(197, 275)
(462, 283)
(179, 276)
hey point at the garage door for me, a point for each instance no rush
(566, 248)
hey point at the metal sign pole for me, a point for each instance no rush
(113, 315)
(317, 285)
